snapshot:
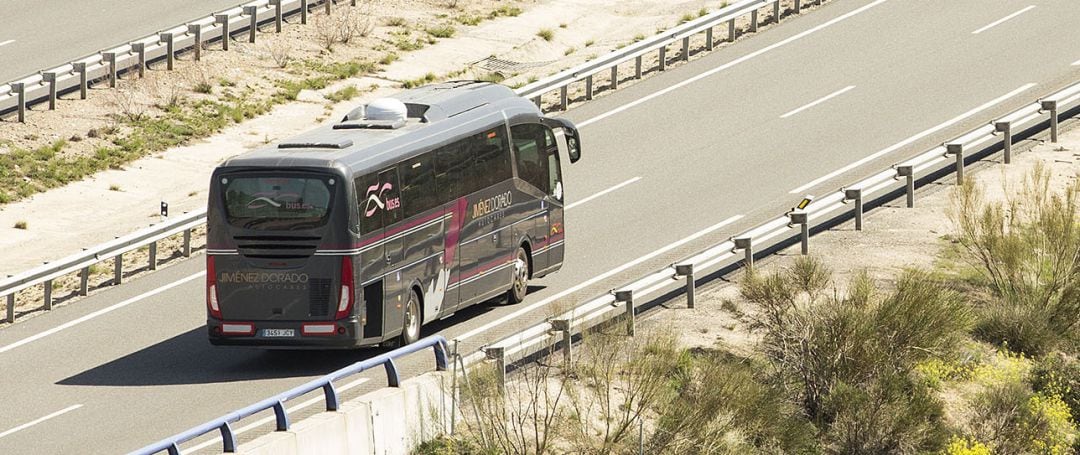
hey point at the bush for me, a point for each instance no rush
(546, 34)
(1010, 418)
(442, 31)
(1059, 375)
(1028, 249)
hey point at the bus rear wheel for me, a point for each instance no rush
(410, 323)
(520, 284)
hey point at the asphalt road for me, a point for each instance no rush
(48, 33)
(743, 132)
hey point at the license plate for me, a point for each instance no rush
(279, 332)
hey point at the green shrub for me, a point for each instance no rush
(1059, 375)
(442, 31)
(346, 93)
(546, 34)
(505, 11)
(1028, 249)
(1010, 418)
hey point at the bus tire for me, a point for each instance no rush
(519, 285)
(411, 320)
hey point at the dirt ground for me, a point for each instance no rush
(893, 238)
(505, 44)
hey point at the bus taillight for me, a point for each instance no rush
(211, 289)
(345, 301)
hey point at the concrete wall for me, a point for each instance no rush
(389, 421)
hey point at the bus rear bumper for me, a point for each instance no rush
(344, 334)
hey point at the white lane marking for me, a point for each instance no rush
(266, 420)
(1076, 63)
(914, 138)
(100, 312)
(5, 43)
(575, 204)
(730, 64)
(819, 101)
(524, 310)
(35, 422)
(1000, 21)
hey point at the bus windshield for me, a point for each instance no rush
(277, 203)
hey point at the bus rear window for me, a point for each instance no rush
(277, 203)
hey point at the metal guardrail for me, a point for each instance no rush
(560, 329)
(46, 85)
(658, 43)
(277, 402)
(45, 274)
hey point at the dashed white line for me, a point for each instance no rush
(818, 101)
(730, 64)
(100, 312)
(1000, 21)
(35, 422)
(914, 138)
(577, 203)
(266, 420)
(580, 286)
(5, 43)
(1076, 63)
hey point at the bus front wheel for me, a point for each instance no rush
(410, 324)
(520, 285)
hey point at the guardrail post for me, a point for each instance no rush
(626, 297)
(196, 29)
(663, 57)
(84, 281)
(110, 57)
(1005, 128)
(1052, 106)
(564, 98)
(223, 21)
(281, 417)
(538, 100)
(686, 49)
(637, 68)
(753, 21)
(153, 256)
(303, 12)
(563, 326)
(687, 270)
(497, 354)
(747, 245)
(140, 50)
(50, 77)
(118, 269)
(80, 67)
(10, 309)
(253, 13)
(708, 39)
(731, 30)
(20, 90)
(170, 43)
(615, 77)
(277, 15)
(958, 151)
(799, 217)
(798, 7)
(228, 440)
(328, 2)
(776, 11)
(588, 87)
(48, 294)
(856, 195)
(187, 243)
(908, 172)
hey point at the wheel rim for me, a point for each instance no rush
(521, 274)
(412, 326)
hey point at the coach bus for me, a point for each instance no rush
(406, 211)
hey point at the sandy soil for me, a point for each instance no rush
(894, 237)
(118, 201)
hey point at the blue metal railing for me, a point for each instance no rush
(277, 402)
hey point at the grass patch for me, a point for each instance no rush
(426, 79)
(114, 187)
(505, 11)
(203, 87)
(590, 43)
(686, 18)
(395, 22)
(442, 31)
(546, 34)
(21, 225)
(346, 93)
(469, 20)
(389, 58)
(569, 51)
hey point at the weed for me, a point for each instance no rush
(389, 58)
(22, 225)
(426, 79)
(442, 31)
(562, 25)
(203, 87)
(569, 51)
(703, 12)
(346, 93)
(468, 20)
(687, 17)
(590, 43)
(226, 82)
(546, 34)
(114, 187)
(395, 22)
(505, 11)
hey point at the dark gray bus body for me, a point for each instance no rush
(362, 218)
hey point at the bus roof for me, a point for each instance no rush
(437, 114)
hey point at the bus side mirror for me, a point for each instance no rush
(568, 140)
(573, 145)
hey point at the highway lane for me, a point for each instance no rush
(48, 33)
(715, 147)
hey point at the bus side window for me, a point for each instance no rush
(553, 169)
(379, 202)
(450, 164)
(531, 142)
(418, 193)
(369, 222)
(492, 159)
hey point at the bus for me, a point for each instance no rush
(406, 211)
